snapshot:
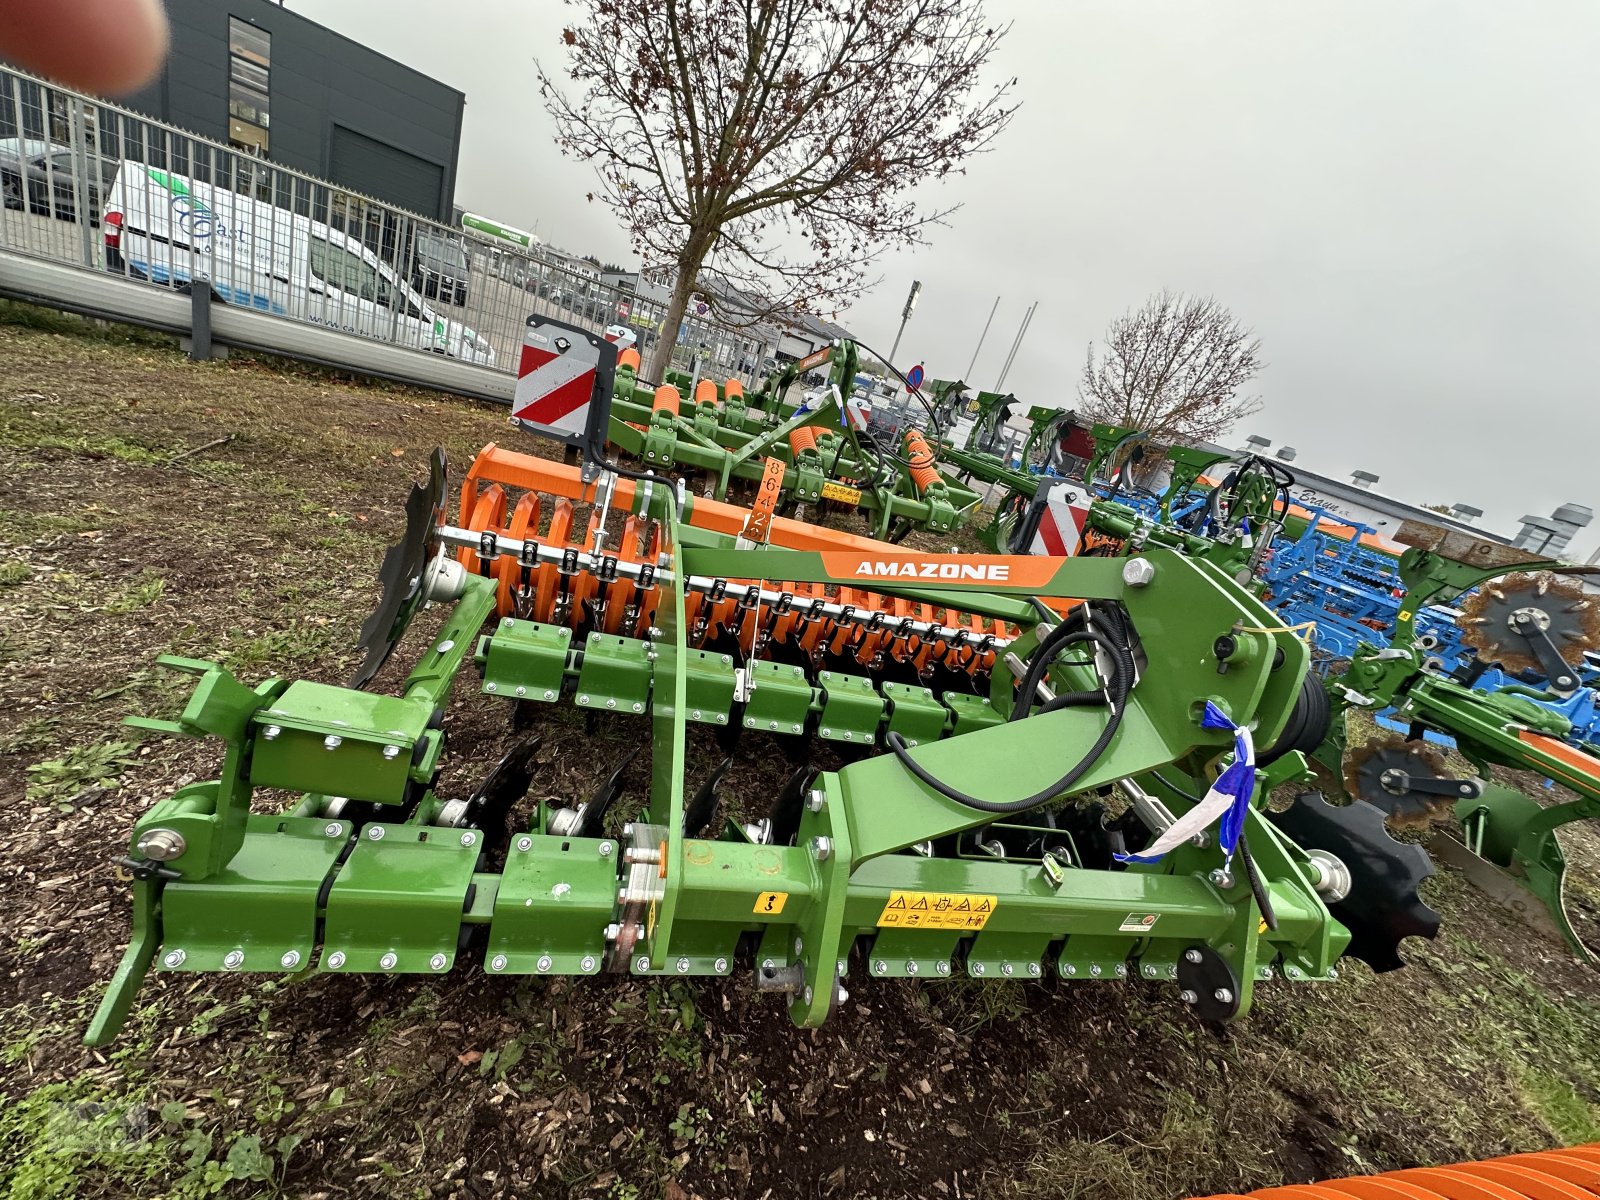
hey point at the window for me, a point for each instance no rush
(338, 267)
(249, 85)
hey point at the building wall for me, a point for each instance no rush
(337, 109)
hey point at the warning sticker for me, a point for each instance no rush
(936, 910)
(838, 491)
(1138, 922)
(771, 902)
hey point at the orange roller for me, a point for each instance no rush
(732, 388)
(1572, 1174)
(666, 399)
(524, 518)
(705, 392)
(920, 459)
(489, 512)
(629, 358)
(804, 438)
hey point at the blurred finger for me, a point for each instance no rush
(98, 45)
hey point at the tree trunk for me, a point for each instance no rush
(689, 262)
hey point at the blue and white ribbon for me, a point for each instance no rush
(1224, 805)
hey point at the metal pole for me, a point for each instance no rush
(1015, 346)
(905, 315)
(982, 335)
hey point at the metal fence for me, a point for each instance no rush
(103, 189)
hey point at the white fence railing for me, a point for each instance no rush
(329, 273)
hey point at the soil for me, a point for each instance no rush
(260, 553)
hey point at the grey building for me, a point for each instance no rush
(268, 81)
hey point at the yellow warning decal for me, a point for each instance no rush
(936, 910)
(771, 902)
(1405, 614)
(838, 491)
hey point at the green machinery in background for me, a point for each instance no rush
(1050, 767)
(828, 453)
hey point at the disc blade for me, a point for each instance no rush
(401, 574)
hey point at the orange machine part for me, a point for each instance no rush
(666, 401)
(920, 459)
(524, 523)
(705, 392)
(732, 388)
(1572, 1174)
(488, 512)
(804, 438)
(629, 358)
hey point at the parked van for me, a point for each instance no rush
(173, 230)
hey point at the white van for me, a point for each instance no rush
(173, 230)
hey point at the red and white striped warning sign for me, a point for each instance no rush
(555, 382)
(1061, 521)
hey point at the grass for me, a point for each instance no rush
(64, 782)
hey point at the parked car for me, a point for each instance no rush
(177, 232)
(41, 174)
(439, 269)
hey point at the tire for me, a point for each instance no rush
(1307, 725)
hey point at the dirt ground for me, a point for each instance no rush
(260, 553)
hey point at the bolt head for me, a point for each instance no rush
(641, 963)
(468, 838)
(375, 833)
(976, 969)
(233, 959)
(1122, 970)
(822, 848)
(438, 962)
(768, 964)
(606, 849)
(1192, 956)
(1094, 969)
(333, 829)
(583, 699)
(879, 967)
(291, 960)
(174, 958)
(332, 742)
(1149, 971)
(799, 946)
(1007, 969)
(586, 963)
(1069, 968)
(549, 695)
(336, 960)
(272, 732)
(389, 960)
(809, 994)
(1333, 972)
(1138, 572)
(491, 686)
(544, 963)
(815, 799)
(1189, 996)
(721, 965)
(911, 966)
(1223, 996)
(497, 963)
(162, 845)
(683, 966)
(697, 714)
(390, 753)
(1035, 970)
(524, 843)
(941, 968)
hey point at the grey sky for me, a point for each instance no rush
(1401, 198)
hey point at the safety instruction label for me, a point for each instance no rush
(936, 910)
(838, 491)
(771, 902)
(1138, 922)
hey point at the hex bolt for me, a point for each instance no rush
(497, 963)
(271, 732)
(879, 967)
(911, 966)
(468, 838)
(683, 966)
(583, 699)
(808, 997)
(1150, 971)
(290, 960)
(1223, 996)
(522, 691)
(941, 968)
(1292, 972)
(549, 695)
(332, 742)
(586, 962)
(822, 848)
(975, 969)
(638, 706)
(1035, 970)
(438, 962)
(815, 799)
(1222, 878)
(697, 714)
(336, 960)
(491, 686)
(174, 958)
(1333, 973)
(333, 829)
(799, 946)
(390, 753)
(1094, 969)
(1189, 996)
(1122, 970)
(1138, 572)
(375, 833)
(721, 966)
(1069, 968)
(1192, 956)
(611, 703)
(233, 959)
(1006, 968)
(389, 960)
(606, 848)
(524, 843)
(641, 964)
(544, 962)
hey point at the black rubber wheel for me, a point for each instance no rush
(1308, 723)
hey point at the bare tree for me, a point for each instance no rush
(1173, 368)
(772, 148)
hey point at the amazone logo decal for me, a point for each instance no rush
(988, 572)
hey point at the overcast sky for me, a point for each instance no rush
(1401, 197)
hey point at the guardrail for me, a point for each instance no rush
(114, 214)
